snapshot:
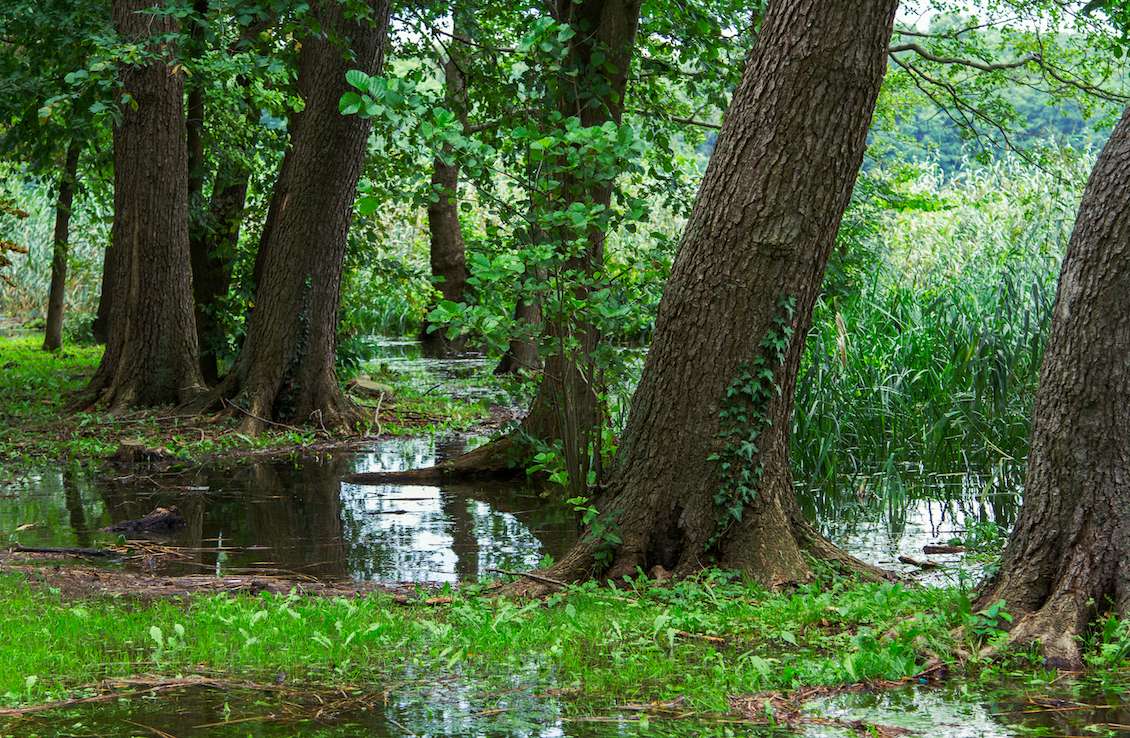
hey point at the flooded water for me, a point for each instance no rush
(295, 517)
(463, 708)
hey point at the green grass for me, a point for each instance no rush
(34, 429)
(705, 639)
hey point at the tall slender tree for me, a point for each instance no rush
(448, 251)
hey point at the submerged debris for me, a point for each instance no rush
(163, 519)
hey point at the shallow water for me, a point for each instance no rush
(294, 516)
(452, 705)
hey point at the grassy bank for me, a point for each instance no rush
(35, 427)
(702, 640)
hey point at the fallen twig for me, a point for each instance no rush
(231, 404)
(67, 551)
(528, 575)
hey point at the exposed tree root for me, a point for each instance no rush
(495, 460)
(325, 407)
(1057, 626)
(580, 564)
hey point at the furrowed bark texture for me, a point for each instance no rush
(286, 365)
(57, 295)
(151, 350)
(1066, 559)
(762, 228)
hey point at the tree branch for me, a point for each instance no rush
(925, 54)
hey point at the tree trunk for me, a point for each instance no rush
(1066, 560)
(151, 353)
(286, 366)
(565, 406)
(214, 235)
(448, 250)
(53, 335)
(702, 475)
(213, 252)
(522, 354)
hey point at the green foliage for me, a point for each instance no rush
(1113, 647)
(1010, 75)
(984, 626)
(931, 354)
(982, 536)
(602, 529)
(705, 638)
(744, 416)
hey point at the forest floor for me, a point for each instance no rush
(37, 430)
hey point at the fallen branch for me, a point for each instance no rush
(66, 551)
(920, 564)
(232, 405)
(528, 575)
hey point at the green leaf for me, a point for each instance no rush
(350, 103)
(358, 79)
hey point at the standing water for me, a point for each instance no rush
(294, 517)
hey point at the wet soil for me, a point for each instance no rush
(78, 581)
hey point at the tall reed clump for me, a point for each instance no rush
(930, 355)
(25, 300)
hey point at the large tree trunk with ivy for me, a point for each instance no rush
(702, 475)
(1067, 561)
(57, 294)
(285, 368)
(151, 351)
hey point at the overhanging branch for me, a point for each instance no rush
(983, 66)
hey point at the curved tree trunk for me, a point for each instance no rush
(214, 232)
(1066, 559)
(151, 355)
(759, 236)
(286, 366)
(213, 252)
(53, 333)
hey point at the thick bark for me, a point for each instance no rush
(522, 354)
(1066, 559)
(448, 259)
(151, 351)
(286, 365)
(762, 229)
(53, 334)
(213, 252)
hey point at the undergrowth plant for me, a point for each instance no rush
(703, 639)
(931, 356)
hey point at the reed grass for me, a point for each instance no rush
(26, 300)
(932, 361)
